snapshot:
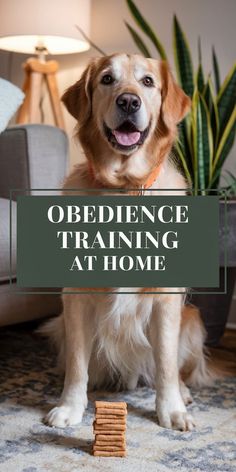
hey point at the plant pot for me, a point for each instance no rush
(215, 308)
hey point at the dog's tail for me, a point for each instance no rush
(54, 329)
(197, 367)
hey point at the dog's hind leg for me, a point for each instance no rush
(195, 369)
(79, 332)
(185, 393)
(132, 381)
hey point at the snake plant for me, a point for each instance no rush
(207, 134)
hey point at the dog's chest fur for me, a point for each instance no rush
(122, 331)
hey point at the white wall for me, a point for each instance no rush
(212, 20)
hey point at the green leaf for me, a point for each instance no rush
(207, 141)
(184, 142)
(146, 28)
(178, 152)
(183, 60)
(200, 75)
(208, 94)
(215, 179)
(202, 144)
(197, 143)
(199, 50)
(200, 79)
(226, 100)
(138, 41)
(216, 70)
(226, 142)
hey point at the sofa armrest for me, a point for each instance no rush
(32, 156)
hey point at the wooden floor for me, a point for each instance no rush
(225, 355)
(229, 341)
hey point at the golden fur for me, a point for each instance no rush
(80, 102)
(122, 338)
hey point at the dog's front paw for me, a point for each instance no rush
(172, 414)
(64, 415)
(180, 420)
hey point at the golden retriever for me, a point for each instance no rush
(128, 108)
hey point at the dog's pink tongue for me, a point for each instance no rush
(127, 139)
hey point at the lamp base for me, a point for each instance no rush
(36, 72)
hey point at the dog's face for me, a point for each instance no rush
(126, 97)
(127, 100)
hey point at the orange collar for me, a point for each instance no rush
(149, 182)
(152, 177)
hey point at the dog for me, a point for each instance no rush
(127, 108)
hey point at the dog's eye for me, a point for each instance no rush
(107, 79)
(148, 81)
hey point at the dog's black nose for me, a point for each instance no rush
(128, 102)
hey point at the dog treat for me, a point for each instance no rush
(108, 448)
(102, 431)
(112, 405)
(120, 435)
(111, 437)
(111, 417)
(109, 432)
(109, 428)
(113, 425)
(109, 453)
(111, 443)
(110, 411)
(110, 421)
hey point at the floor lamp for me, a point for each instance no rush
(42, 28)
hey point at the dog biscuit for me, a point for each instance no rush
(108, 426)
(106, 431)
(108, 448)
(109, 432)
(115, 428)
(111, 417)
(110, 437)
(121, 444)
(115, 411)
(109, 453)
(110, 421)
(119, 405)
(109, 429)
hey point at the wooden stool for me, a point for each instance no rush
(35, 73)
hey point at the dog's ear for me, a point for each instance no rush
(78, 97)
(175, 103)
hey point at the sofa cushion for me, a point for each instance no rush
(5, 239)
(11, 98)
(32, 156)
(15, 308)
(14, 165)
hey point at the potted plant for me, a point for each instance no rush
(206, 137)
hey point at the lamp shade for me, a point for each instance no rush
(27, 24)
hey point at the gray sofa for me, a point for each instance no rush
(31, 157)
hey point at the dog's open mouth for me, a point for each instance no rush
(126, 136)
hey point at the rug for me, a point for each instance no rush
(30, 385)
